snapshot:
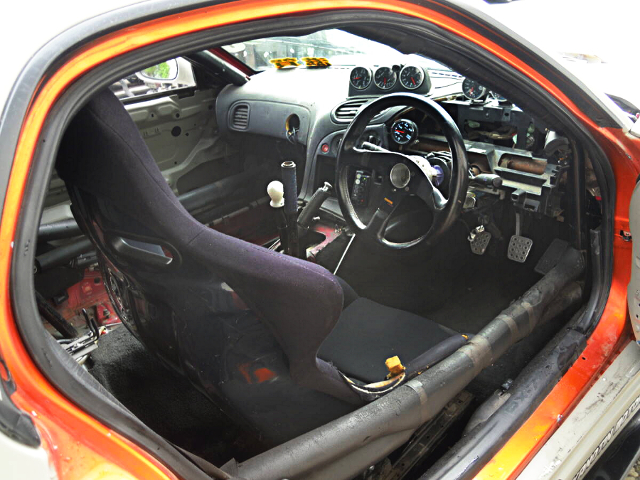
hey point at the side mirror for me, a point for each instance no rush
(165, 76)
(164, 72)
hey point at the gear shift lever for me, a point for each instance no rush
(275, 190)
(290, 184)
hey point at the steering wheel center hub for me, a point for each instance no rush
(400, 175)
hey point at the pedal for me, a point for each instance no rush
(519, 246)
(479, 240)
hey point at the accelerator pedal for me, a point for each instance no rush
(479, 239)
(519, 246)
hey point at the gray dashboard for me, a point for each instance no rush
(319, 105)
(272, 96)
(266, 106)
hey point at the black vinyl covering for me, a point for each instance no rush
(368, 333)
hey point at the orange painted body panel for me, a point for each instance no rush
(610, 336)
(604, 342)
(78, 443)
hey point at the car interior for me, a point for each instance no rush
(247, 243)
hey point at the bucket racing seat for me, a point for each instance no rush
(278, 343)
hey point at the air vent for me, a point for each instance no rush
(240, 117)
(346, 111)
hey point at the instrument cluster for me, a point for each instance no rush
(385, 79)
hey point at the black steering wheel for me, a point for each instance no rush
(402, 175)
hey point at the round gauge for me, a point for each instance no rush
(411, 77)
(473, 90)
(403, 131)
(385, 78)
(498, 97)
(360, 77)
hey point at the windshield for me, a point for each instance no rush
(339, 47)
(594, 43)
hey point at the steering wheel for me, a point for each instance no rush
(402, 175)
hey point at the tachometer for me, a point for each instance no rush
(385, 78)
(411, 77)
(360, 77)
(403, 131)
(473, 90)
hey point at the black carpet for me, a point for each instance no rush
(165, 401)
(447, 284)
(484, 288)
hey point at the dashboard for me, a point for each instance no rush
(315, 106)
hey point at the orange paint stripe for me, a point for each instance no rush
(53, 413)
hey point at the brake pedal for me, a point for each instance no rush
(519, 246)
(479, 240)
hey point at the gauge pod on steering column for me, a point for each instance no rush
(403, 131)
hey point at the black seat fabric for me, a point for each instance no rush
(368, 333)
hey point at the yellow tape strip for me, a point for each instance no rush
(319, 62)
(285, 62)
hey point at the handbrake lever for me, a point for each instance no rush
(313, 207)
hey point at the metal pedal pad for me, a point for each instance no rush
(519, 248)
(480, 242)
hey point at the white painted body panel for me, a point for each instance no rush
(18, 462)
(26, 26)
(593, 424)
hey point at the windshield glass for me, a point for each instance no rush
(339, 47)
(594, 43)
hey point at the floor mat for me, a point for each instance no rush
(416, 283)
(455, 288)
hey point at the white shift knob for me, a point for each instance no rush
(275, 190)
